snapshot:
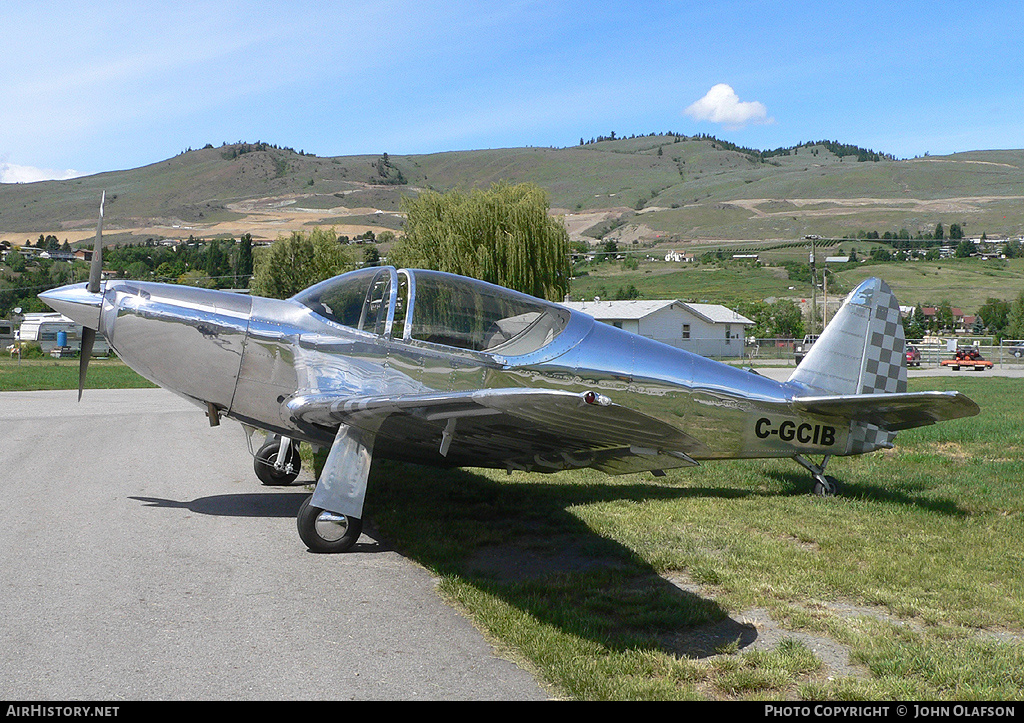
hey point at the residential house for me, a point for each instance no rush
(705, 329)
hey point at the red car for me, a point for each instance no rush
(913, 356)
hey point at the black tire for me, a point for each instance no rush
(828, 488)
(324, 531)
(265, 459)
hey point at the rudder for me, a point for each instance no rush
(862, 350)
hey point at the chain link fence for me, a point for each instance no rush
(932, 351)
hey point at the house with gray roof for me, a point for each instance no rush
(706, 329)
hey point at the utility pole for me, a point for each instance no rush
(814, 293)
(824, 290)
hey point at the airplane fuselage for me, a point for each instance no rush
(248, 355)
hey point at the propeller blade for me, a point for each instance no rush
(95, 277)
(96, 269)
(88, 338)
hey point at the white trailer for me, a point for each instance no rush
(45, 329)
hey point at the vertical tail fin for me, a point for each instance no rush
(862, 350)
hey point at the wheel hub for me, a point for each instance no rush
(331, 526)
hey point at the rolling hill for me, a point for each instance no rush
(655, 189)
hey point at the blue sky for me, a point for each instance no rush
(92, 87)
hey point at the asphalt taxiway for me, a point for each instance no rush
(142, 560)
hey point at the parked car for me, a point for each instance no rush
(1017, 351)
(801, 348)
(913, 356)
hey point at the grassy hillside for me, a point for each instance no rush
(677, 189)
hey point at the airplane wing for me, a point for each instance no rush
(893, 411)
(530, 429)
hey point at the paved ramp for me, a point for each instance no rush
(143, 560)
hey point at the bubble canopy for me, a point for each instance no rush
(437, 308)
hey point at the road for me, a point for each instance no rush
(142, 560)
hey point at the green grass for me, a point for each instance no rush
(965, 283)
(637, 588)
(697, 283)
(33, 374)
(634, 587)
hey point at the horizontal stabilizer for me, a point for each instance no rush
(891, 412)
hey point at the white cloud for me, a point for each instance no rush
(10, 173)
(722, 105)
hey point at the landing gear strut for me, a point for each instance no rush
(824, 485)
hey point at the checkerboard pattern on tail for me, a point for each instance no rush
(862, 351)
(885, 367)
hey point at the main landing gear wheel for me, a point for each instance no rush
(325, 531)
(266, 459)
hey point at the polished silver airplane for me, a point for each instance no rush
(440, 369)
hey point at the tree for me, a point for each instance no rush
(244, 267)
(955, 232)
(196, 277)
(503, 235)
(215, 260)
(944, 316)
(995, 313)
(294, 263)
(778, 320)
(938, 231)
(964, 249)
(1015, 318)
(914, 324)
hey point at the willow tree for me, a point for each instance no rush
(295, 262)
(503, 235)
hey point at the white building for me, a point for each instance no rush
(705, 329)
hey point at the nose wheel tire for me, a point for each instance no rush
(266, 459)
(325, 531)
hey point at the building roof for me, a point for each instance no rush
(718, 314)
(629, 309)
(641, 308)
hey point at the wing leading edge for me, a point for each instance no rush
(529, 429)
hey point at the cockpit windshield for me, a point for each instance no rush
(438, 308)
(358, 299)
(470, 314)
